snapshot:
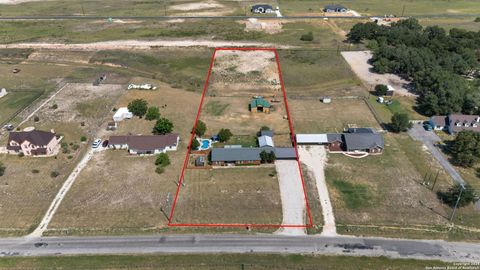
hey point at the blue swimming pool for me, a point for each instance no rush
(205, 144)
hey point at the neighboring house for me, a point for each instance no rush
(259, 105)
(121, 114)
(262, 8)
(438, 122)
(335, 8)
(455, 123)
(390, 90)
(460, 122)
(248, 156)
(352, 140)
(145, 144)
(33, 143)
(265, 141)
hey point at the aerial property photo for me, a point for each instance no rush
(235, 134)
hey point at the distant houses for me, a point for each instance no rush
(262, 8)
(33, 143)
(145, 144)
(353, 140)
(335, 8)
(455, 123)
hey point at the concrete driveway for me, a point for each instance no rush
(430, 139)
(293, 198)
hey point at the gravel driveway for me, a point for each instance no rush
(429, 139)
(293, 197)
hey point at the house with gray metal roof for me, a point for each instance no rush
(248, 156)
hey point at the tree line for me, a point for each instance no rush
(435, 61)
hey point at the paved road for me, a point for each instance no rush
(96, 17)
(429, 139)
(339, 245)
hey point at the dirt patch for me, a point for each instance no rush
(267, 26)
(359, 63)
(196, 6)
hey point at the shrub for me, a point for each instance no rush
(2, 169)
(70, 157)
(307, 37)
(159, 169)
(195, 144)
(54, 107)
(54, 174)
(36, 119)
(224, 135)
(381, 90)
(162, 160)
(83, 139)
(162, 127)
(75, 147)
(21, 154)
(477, 19)
(35, 171)
(153, 113)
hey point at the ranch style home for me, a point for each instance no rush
(145, 144)
(455, 123)
(33, 143)
(353, 140)
(248, 156)
(335, 8)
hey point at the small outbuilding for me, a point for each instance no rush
(3, 92)
(335, 8)
(259, 105)
(121, 114)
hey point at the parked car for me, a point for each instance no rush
(96, 143)
(8, 127)
(105, 143)
(262, 9)
(427, 127)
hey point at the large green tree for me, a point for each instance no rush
(138, 107)
(400, 122)
(224, 134)
(153, 113)
(162, 127)
(200, 128)
(465, 148)
(464, 195)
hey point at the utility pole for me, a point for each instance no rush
(456, 204)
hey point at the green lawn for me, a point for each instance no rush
(214, 261)
(14, 102)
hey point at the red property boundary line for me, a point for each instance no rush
(292, 134)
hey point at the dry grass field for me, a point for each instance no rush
(120, 193)
(248, 195)
(313, 116)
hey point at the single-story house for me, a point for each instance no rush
(259, 105)
(460, 122)
(248, 156)
(121, 114)
(352, 140)
(265, 141)
(145, 144)
(438, 122)
(262, 8)
(455, 123)
(33, 143)
(335, 8)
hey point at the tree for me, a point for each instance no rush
(450, 197)
(159, 169)
(162, 127)
(465, 149)
(307, 37)
(224, 135)
(267, 157)
(400, 122)
(195, 144)
(54, 174)
(381, 89)
(162, 160)
(138, 107)
(2, 169)
(153, 113)
(200, 128)
(83, 139)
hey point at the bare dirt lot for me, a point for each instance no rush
(359, 63)
(313, 116)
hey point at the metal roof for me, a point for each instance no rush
(259, 102)
(311, 138)
(362, 141)
(250, 154)
(265, 141)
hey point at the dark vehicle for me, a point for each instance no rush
(105, 143)
(262, 9)
(427, 127)
(40, 244)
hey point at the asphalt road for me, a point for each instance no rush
(242, 17)
(168, 244)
